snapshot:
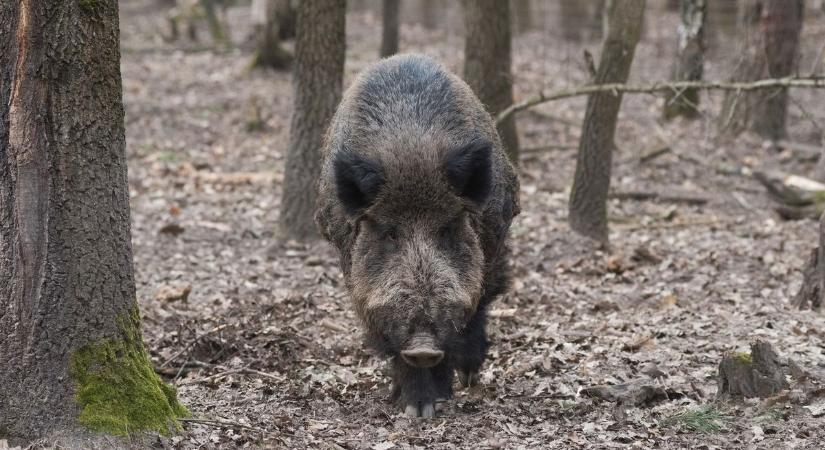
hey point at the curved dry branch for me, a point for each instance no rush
(674, 86)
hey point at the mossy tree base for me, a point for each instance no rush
(118, 389)
(748, 375)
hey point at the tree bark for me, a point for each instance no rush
(748, 375)
(812, 291)
(770, 51)
(269, 52)
(591, 183)
(487, 62)
(690, 60)
(522, 15)
(318, 78)
(71, 349)
(428, 12)
(722, 21)
(389, 35)
(573, 18)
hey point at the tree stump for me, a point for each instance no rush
(757, 374)
(813, 275)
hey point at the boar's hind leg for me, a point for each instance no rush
(415, 389)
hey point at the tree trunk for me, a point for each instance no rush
(487, 62)
(689, 60)
(522, 15)
(216, 28)
(722, 21)
(286, 17)
(772, 40)
(748, 375)
(428, 11)
(269, 52)
(573, 18)
(71, 348)
(389, 35)
(588, 196)
(812, 291)
(318, 78)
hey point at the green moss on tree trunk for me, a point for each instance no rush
(117, 388)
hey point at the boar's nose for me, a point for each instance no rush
(422, 356)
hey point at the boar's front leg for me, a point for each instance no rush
(416, 389)
(473, 348)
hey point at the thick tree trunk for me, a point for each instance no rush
(487, 62)
(318, 78)
(772, 40)
(588, 196)
(690, 60)
(389, 35)
(70, 344)
(268, 32)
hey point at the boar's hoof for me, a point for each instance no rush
(426, 411)
(423, 357)
(468, 379)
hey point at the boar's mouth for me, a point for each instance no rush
(421, 351)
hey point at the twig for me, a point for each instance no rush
(193, 344)
(648, 195)
(554, 118)
(227, 373)
(653, 154)
(542, 97)
(546, 148)
(695, 223)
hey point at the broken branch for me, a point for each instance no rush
(542, 97)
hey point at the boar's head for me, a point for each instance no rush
(415, 202)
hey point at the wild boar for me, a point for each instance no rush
(417, 194)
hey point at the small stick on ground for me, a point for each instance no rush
(653, 154)
(223, 424)
(217, 376)
(650, 195)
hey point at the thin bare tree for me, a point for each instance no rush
(588, 196)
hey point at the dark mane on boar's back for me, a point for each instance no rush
(417, 195)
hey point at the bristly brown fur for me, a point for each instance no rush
(417, 195)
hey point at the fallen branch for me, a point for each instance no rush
(655, 153)
(674, 86)
(227, 373)
(688, 199)
(547, 148)
(663, 225)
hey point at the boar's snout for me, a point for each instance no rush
(421, 352)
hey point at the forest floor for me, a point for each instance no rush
(266, 351)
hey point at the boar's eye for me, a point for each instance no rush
(449, 234)
(357, 181)
(468, 170)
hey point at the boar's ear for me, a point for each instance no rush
(469, 171)
(357, 181)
